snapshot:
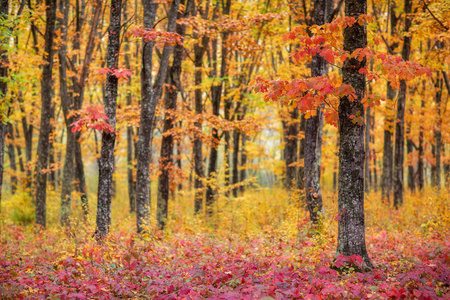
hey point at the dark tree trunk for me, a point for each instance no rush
(216, 95)
(199, 51)
(367, 178)
(46, 114)
(400, 123)
(351, 235)
(388, 154)
(150, 96)
(146, 124)
(375, 176)
(243, 175)
(130, 143)
(291, 147)
(166, 160)
(313, 131)
(106, 161)
(438, 133)
(4, 12)
(236, 139)
(12, 157)
(420, 165)
(66, 103)
(19, 152)
(409, 150)
(301, 155)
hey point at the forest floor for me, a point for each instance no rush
(258, 246)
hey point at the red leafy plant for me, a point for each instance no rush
(91, 116)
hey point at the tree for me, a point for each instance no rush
(46, 113)
(351, 234)
(106, 161)
(174, 86)
(150, 95)
(4, 11)
(400, 123)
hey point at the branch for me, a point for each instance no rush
(434, 17)
(335, 11)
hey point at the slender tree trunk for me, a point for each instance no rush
(66, 103)
(301, 155)
(106, 162)
(313, 131)
(130, 143)
(46, 113)
(243, 175)
(438, 133)
(19, 152)
(409, 150)
(351, 234)
(4, 14)
(400, 123)
(367, 179)
(291, 147)
(420, 165)
(199, 51)
(216, 95)
(388, 154)
(375, 176)
(150, 96)
(236, 140)
(12, 157)
(166, 160)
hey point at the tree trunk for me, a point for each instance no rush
(66, 103)
(409, 150)
(19, 152)
(291, 144)
(166, 160)
(400, 123)
(46, 113)
(236, 139)
(313, 131)
(12, 157)
(367, 178)
(243, 175)
(388, 154)
(438, 133)
(130, 143)
(106, 161)
(216, 95)
(301, 155)
(351, 235)
(420, 165)
(4, 14)
(150, 96)
(375, 176)
(199, 51)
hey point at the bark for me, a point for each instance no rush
(351, 234)
(438, 133)
(199, 51)
(420, 165)
(409, 150)
(12, 157)
(130, 143)
(375, 176)
(367, 178)
(388, 154)
(106, 161)
(4, 6)
(150, 96)
(400, 122)
(46, 113)
(291, 144)
(301, 155)
(313, 131)
(243, 173)
(166, 160)
(216, 95)
(66, 103)
(236, 140)
(19, 152)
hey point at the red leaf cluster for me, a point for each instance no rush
(92, 116)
